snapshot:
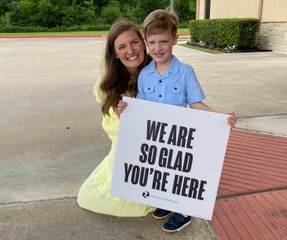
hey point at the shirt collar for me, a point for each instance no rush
(173, 67)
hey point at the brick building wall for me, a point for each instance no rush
(273, 36)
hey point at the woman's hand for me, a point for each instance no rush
(121, 106)
(232, 120)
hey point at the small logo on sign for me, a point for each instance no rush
(145, 194)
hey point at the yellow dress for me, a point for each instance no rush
(94, 194)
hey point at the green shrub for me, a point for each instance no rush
(238, 32)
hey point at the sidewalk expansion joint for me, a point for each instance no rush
(251, 193)
(267, 115)
(261, 132)
(8, 204)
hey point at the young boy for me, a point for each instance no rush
(167, 80)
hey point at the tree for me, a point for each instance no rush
(21, 12)
(110, 13)
(4, 7)
(186, 10)
(192, 9)
(79, 14)
(48, 15)
(148, 6)
(54, 13)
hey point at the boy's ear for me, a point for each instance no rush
(175, 39)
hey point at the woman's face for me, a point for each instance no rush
(130, 50)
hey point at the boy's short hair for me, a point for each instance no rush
(160, 21)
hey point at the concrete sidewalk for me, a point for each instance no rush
(51, 135)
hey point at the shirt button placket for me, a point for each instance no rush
(160, 81)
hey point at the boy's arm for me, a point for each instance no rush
(202, 106)
(231, 121)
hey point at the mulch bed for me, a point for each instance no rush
(228, 49)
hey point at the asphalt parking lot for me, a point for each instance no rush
(51, 135)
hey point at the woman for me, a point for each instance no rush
(125, 56)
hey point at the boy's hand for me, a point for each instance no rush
(232, 120)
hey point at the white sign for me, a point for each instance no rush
(170, 157)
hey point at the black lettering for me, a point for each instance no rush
(138, 174)
(178, 161)
(152, 154)
(162, 132)
(193, 188)
(156, 180)
(144, 176)
(152, 130)
(143, 157)
(168, 165)
(164, 181)
(172, 136)
(135, 175)
(187, 164)
(190, 137)
(185, 186)
(128, 168)
(188, 187)
(201, 190)
(162, 157)
(155, 130)
(177, 184)
(182, 133)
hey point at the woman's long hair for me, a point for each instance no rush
(117, 80)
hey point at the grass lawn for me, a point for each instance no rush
(82, 33)
(98, 33)
(202, 49)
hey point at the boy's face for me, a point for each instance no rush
(160, 47)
